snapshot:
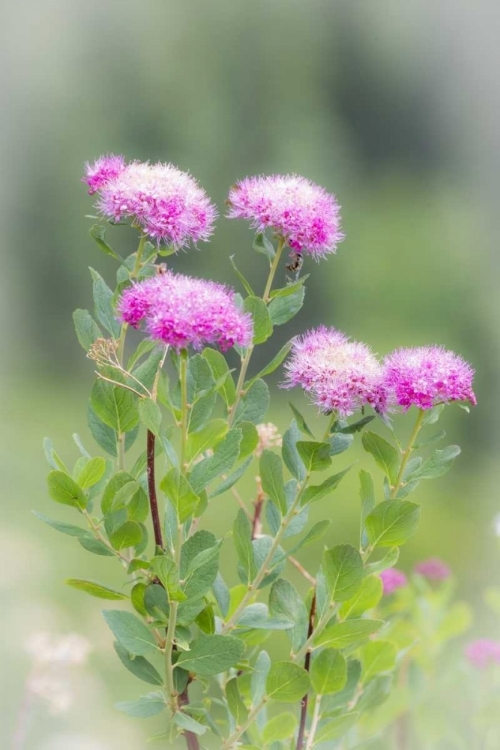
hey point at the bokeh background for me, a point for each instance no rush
(393, 106)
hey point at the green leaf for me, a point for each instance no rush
(259, 676)
(256, 616)
(392, 523)
(91, 473)
(386, 456)
(54, 461)
(290, 454)
(283, 309)
(166, 571)
(249, 440)
(156, 602)
(317, 492)
(147, 706)
(222, 375)
(199, 564)
(150, 415)
(221, 462)
(301, 422)
(180, 493)
(355, 426)
(287, 682)
(377, 657)
(285, 602)
(387, 561)
(87, 330)
(95, 589)
(64, 528)
(313, 535)
(212, 654)
(65, 490)
(290, 288)
(103, 305)
(104, 436)
(97, 232)
(367, 495)
(263, 246)
(138, 665)
(254, 404)
(188, 724)
(280, 727)
(328, 672)
(127, 535)
(91, 544)
(242, 537)
(271, 475)
(343, 634)
(340, 443)
(146, 372)
(115, 406)
(208, 437)
(437, 465)
(130, 632)
(234, 701)
(231, 480)
(367, 597)
(199, 378)
(275, 362)
(262, 326)
(343, 568)
(316, 456)
(332, 729)
(241, 278)
(432, 415)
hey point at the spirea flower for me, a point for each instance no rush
(181, 311)
(305, 214)
(433, 569)
(483, 652)
(428, 375)
(392, 580)
(102, 171)
(167, 203)
(340, 375)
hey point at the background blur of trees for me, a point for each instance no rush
(393, 106)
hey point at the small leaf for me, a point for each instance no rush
(234, 701)
(221, 462)
(241, 278)
(385, 455)
(280, 727)
(127, 535)
(356, 426)
(328, 672)
(387, 561)
(262, 326)
(290, 454)
(256, 616)
(242, 536)
(95, 589)
(316, 456)
(115, 406)
(259, 676)
(332, 729)
(343, 634)
(180, 494)
(285, 602)
(150, 415)
(367, 597)
(86, 328)
(65, 490)
(275, 362)
(188, 724)
(104, 436)
(147, 706)
(283, 309)
(212, 654)
(222, 375)
(301, 422)
(138, 665)
(437, 465)
(271, 474)
(64, 528)
(287, 682)
(254, 404)
(103, 305)
(231, 480)
(392, 523)
(91, 473)
(130, 632)
(262, 245)
(97, 232)
(208, 437)
(343, 568)
(367, 495)
(377, 657)
(317, 492)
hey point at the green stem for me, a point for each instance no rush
(274, 268)
(314, 723)
(407, 453)
(322, 623)
(242, 728)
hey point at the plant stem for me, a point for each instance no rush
(184, 406)
(314, 723)
(153, 500)
(407, 453)
(322, 623)
(192, 742)
(274, 268)
(307, 665)
(242, 728)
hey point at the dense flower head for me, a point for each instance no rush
(305, 214)
(433, 569)
(167, 203)
(181, 311)
(341, 375)
(102, 171)
(483, 652)
(428, 375)
(392, 580)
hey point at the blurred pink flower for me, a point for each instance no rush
(182, 311)
(434, 569)
(305, 214)
(483, 652)
(427, 376)
(392, 579)
(102, 171)
(341, 375)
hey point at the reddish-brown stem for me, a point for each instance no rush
(257, 510)
(153, 501)
(190, 737)
(307, 664)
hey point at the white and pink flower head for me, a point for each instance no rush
(483, 652)
(427, 376)
(392, 580)
(304, 214)
(433, 569)
(183, 311)
(167, 203)
(340, 375)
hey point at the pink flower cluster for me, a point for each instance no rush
(392, 580)
(341, 375)
(305, 214)
(183, 311)
(483, 652)
(167, 203)
(428, 375)
(433, 569)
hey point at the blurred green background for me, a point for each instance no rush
(393, 106)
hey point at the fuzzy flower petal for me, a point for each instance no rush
(339, 374)
(103, 170)
(433, 569)
(392, 579)
(483, 652)
(183, 311)
(305, 214)
(427, 376)
(167, 203)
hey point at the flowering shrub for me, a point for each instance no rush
(188, 627)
